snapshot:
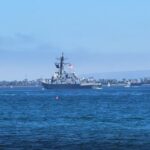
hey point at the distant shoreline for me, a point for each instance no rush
(40, 86)
(20, 86)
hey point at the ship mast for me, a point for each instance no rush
(61, 64)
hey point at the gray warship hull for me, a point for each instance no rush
(66, 86)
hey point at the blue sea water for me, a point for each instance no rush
(106, 119)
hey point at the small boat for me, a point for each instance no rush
(109, 85)
(133, 84)
(128, 85)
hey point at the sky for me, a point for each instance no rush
(95, 35)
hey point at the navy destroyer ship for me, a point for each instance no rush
(68, 80)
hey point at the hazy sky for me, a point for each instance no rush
(96, 36)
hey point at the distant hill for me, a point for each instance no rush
(120, 75)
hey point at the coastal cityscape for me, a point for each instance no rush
(63, 79)
(104, 82)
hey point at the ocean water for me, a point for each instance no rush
(106, 119)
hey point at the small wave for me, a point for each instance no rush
(86, 118)
(134, 118)
(8, 94)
